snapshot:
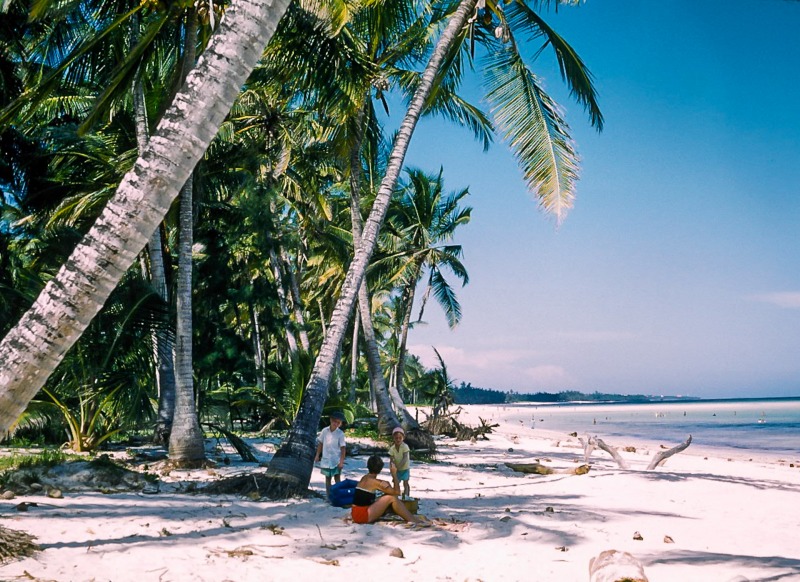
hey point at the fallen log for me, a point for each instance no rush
(539, 469)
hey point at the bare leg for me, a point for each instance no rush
(377, 509)
(327, 485)
(406, 489)
(338, 477)
(400, 509)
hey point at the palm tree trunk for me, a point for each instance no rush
(291, 340)
(258, 349)
(186, 447)
(387, 419)
(396, 388)
(354, 359)
(162, 338)
(37, 344)
(293, 462)
(297, 301)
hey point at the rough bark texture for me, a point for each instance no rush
(186, 447)
(294, 460)
(32, 350)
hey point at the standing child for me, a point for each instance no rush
(331, 450)
(400, 459)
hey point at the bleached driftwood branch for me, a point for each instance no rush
(593, 442)
(539, 469)
(664, 455)
(588, 447)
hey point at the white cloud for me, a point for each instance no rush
(786, 300)
(517, 369)
(458, 358)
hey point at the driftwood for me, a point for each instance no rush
(246, 452)
(659, 459)
(591, 443)
(614, 566)
(356, 449)
(539, 469)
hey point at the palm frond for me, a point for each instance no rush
(574, 71)
(532, 124)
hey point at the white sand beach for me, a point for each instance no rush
(701, 517)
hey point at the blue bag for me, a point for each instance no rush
(342, 493)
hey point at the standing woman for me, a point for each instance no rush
(368, 507)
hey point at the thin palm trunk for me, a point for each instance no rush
(162, 338)
(396, 388)
(294, 460)
(354, 358)
(297, 301)
(258, 349)
(387, 420)
(186, 447)
(291, 340)
(37, 344)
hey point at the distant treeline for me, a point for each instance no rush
(467, 394)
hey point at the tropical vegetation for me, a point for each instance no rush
(189, 239)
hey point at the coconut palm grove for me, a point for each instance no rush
(207, 220)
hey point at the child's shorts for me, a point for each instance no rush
(330, 472)
(403, 475)
(360, 513)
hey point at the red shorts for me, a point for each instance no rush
(360, 513)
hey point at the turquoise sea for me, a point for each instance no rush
(769, 426)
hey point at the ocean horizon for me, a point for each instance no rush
(745, 425)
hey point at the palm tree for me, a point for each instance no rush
(292, 463)
(545, 152)
(34, 347)
(421, 222)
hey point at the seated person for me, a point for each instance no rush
(368, 507)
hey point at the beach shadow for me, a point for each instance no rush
(761, 484)
(710, 558)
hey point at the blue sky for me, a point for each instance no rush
(678, 270)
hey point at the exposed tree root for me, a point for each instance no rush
(447, 424)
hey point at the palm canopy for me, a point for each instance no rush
(525, 116)
(420, 225)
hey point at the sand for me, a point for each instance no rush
(704, 516)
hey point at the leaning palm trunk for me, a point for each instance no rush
(293, 462)
(387, 419)
(32, 350)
